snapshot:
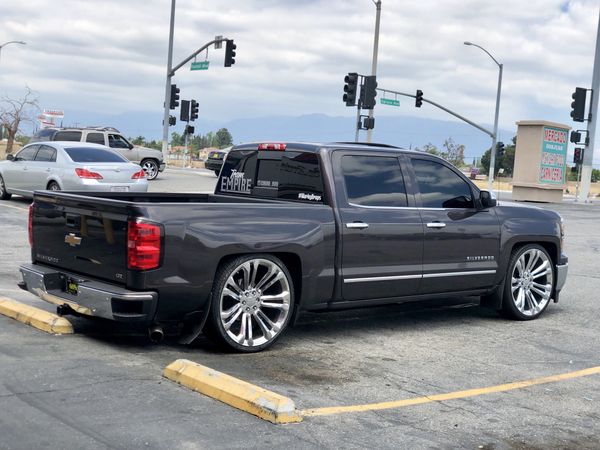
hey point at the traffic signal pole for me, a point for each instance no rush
(588, 154)
(165, 140)
(374, 64)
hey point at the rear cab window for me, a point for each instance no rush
(93, 155)
(285, 175)
(68, 136)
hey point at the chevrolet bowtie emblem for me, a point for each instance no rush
(72, 240)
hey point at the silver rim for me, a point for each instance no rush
(150, 169)
(54, 187)
(255, 302)
(531, 282)
(1, 186)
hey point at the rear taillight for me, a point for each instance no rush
(143, 245)
(30, 225)
(138, 175)
(272, 146)
(84, 173)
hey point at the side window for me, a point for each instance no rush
(68, 136)
(46, 153)
(374, 181)
(117, 141)
(440, 187)
(27, 154)
(95, 138)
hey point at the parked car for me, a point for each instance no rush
(293, 227)
(70, 166)
(215, 159)
(149, 159)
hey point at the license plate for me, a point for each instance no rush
(71, 287)
(215, 155)
(119, 188)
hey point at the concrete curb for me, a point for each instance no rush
(235, 392)
(38, 318)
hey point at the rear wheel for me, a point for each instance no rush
(529, 283)
(150, 166)
(53, 186)
(3, 194)
(251, 303)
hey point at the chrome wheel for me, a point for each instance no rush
(151, 169)
(255, 302)
(53, 187)
(531, 282)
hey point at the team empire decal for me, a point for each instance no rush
(236, 183)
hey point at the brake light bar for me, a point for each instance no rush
(143, 245)
(272, 146)
(84, 173)
(138, 175)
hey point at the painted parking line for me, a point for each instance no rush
(327, 411)
(36, 317)
(235, 392)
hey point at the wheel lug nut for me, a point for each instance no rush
(247, 309)
(244, 302)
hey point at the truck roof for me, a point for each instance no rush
(314, 147)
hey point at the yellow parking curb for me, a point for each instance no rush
(38, 318)
(237, 393)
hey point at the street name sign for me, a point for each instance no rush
(202, 65)
(389, 101)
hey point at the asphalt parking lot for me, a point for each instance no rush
(102, 386)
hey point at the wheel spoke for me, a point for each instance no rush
(246, 272)
(228, 313)
(230, 293)
(544, 293)
(273, 326)
(254, 266)
(542, 269)
(520, 299)
(519, 266)
(274, 280)
(236, 287)
(533, 258)
(249, 330)
(534, 302)
(241, 337)
(227, 325)
(272, 270)
(263, 326)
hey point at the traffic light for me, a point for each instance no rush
(184, 111)
(368, 92)
(172, 120)
(230, 53)
(578, 105)
(193, 110)
(174, 103)
(500, 148)
(350, 87)
(575, 137)
(419, 98)
(368, 123)
(189, 129)
(578, 155)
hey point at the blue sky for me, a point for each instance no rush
(292, 56)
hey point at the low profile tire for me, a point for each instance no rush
(251, 303)
(3, 194)
(529, 283)
(53, 186)
(217, 172)
(151, 168)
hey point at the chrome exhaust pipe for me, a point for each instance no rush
(156, 334)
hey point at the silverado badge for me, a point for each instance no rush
(72, 240)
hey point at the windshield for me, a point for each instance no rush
(93, 155)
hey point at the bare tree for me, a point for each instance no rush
(13, 113)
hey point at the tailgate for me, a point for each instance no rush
(81, 234)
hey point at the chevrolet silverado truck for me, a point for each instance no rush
(292, 227)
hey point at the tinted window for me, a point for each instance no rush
(68, 136)
(95, 138)
(440, 187)
(44, 135)
(27, 154)
(89, 154)
(273, 174)
(374, 181)
(117, 141)
(46, 153)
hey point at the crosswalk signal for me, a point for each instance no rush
(578, 105)
(230, 53)
(174, 103)
(172, 120)
(189, 129)
(419, 98)
(578, 155)
(368, 92)
(350, 87)
(193, 110)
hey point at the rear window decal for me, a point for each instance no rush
(236, 183)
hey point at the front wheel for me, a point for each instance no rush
(251, 303)
(151, 168)
(3, 194)
(529, 283)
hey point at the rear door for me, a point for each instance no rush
(382, 233)
(41, 167)
(462, 241)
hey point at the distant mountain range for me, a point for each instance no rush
(403, 131)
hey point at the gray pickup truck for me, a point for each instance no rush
(292, 227)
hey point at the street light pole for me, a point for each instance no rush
(495, 136)
(375, 52)
(10, 42)
(165, 138)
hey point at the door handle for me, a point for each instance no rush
(436, 225)
(357, 225)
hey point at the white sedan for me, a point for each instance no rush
(69, 166)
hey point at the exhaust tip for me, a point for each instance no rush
(63, 310)
(156, 334)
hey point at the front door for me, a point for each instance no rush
(382, 233)
(18, 175)
(462, 242)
